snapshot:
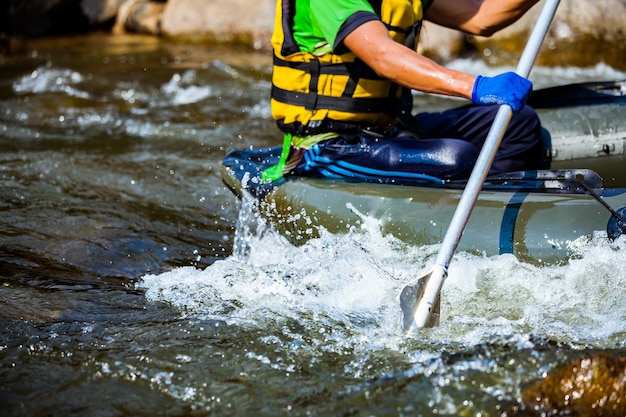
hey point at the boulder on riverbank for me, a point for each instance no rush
(582, 34)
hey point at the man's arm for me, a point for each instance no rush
(477, 17)
(372, 43)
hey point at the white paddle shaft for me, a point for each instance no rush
(479, 173)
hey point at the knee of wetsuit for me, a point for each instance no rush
(458, 158)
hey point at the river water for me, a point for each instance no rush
(134, 283)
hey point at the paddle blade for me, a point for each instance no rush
(410, 298)
(617, 224)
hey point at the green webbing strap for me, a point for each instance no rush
(275, 172)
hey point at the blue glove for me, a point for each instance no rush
(508, 88)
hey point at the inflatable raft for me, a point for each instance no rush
(539, 216)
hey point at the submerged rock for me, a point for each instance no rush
(593, 386)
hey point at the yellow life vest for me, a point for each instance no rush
(338, 92)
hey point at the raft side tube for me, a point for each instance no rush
(538, 224)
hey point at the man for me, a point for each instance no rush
(341, 92)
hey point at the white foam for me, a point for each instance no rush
(49, 79)
(348, 286)
(181, 89)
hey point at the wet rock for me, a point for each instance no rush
(235, 21)
(139, 16)
(37, 17)
(51, 17)
(592, 386)
(100, 11)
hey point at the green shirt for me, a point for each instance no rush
(317, 23)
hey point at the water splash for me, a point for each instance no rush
(577, 303)
(49, 79)
(181, 89)
(352, 281)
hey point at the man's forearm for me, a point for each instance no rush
(391, 60)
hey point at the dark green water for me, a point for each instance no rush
(127, 289)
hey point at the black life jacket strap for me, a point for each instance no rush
(345, 104)
(330, 68)
(312, 100)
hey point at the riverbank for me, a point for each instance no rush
(580, 35)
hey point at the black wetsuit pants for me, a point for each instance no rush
(441, 145)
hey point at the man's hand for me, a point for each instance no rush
(508, 88)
